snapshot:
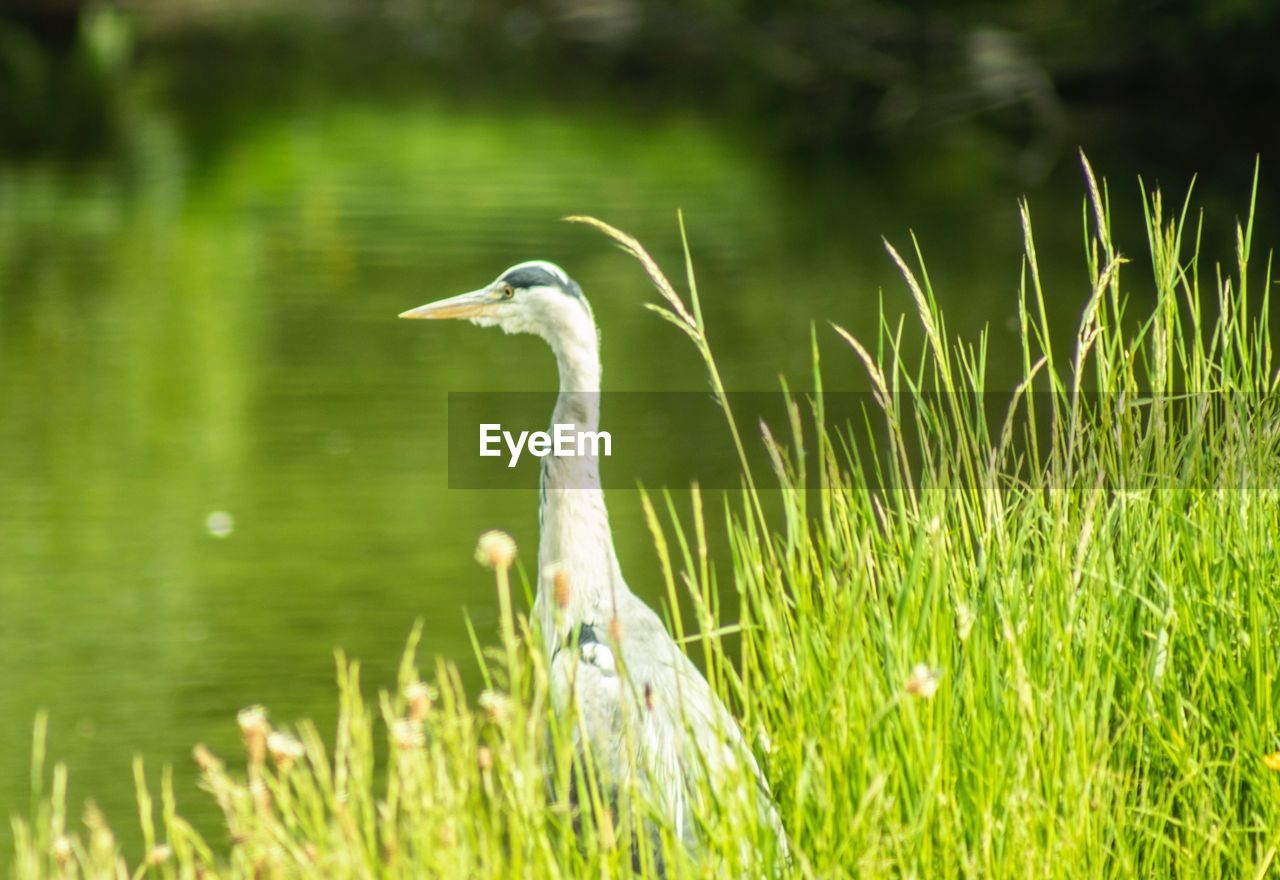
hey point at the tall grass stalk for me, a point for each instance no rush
(1036, 642)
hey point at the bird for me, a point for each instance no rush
(644, 711)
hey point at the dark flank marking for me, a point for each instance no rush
(536, 276)
(586, 635)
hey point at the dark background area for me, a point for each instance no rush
(818, 82)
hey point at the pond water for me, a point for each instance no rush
(222, 458)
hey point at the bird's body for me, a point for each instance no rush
(646, 712)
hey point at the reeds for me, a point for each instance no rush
(1040, 642)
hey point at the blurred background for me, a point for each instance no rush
(221, 458)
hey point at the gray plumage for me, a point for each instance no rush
(646, 711)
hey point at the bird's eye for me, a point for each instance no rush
(507, 291)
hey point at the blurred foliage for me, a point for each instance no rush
(820, 78)
(68, 97)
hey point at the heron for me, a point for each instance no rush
(644, 709)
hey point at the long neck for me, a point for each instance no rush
(574, 523)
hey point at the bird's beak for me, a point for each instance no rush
(475, 304)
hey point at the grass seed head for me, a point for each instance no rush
(419, 698)
(497, 706)
(496, 549)
(254, 728)
(923, 681)
(285, 750)
(62, 850)
(408, 733)
(206, 760)
(101, 839)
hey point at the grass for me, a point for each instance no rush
(1036, 643)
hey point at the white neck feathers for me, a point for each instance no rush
(575, 534)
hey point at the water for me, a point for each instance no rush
(222, 458)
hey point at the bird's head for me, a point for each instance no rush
(535, 297)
